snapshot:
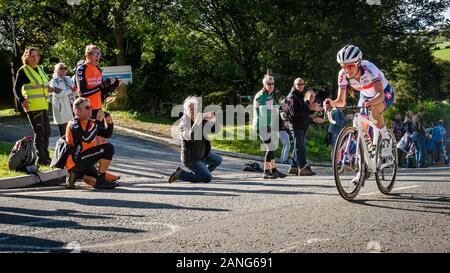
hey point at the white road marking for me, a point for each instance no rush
(395, 189)
(173, 230)
(307, 242)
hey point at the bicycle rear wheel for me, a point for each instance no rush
(387, 164)
(347, 163)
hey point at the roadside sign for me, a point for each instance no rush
(121, 72)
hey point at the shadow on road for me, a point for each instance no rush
(116, 203)
(30, 244)
(427, 203)
(186, 187)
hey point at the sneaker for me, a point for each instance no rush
(309, 168)
(280, 174)
(105, 184)
(71, 177)
(306, 172)
(175, 175)
(293, 170)
(269, 176)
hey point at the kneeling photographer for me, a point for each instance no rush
(196, 152)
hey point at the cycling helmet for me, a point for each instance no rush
(349, 54)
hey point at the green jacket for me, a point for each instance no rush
(264, 106)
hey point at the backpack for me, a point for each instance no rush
(62, 152)
(252, 166)
(23, 156)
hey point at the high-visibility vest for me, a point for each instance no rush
(36, 92)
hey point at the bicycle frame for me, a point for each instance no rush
(358, 121)
(370, 159)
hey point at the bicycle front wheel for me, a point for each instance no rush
(347, 163)
(387, 164)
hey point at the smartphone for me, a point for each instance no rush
(205, 115)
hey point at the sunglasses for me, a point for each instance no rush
(300, 84)
(87, 107)
(95, 54)
(270, 83)
(349, 66)
(63, 68)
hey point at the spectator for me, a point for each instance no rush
(31, 90)
(398, 128)
(407, 124)
(196, 152)
(90, 85)
(430, 147)
(298, 117)
(418, 137)
(82, 133)
(89, 79)
(438, 139)
(62, 97)
(335, 129)
(399, 131)
(265, 111)
(285, 136)
(409, 148)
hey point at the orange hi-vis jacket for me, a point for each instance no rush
(83, 135)
(89, 80)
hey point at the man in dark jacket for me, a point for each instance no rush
(196, 152)
(298, 117)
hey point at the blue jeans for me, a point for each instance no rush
(419, 142)
(333, 140)
(438, 151)
(299, 160)
(284, 137)
(201, 169)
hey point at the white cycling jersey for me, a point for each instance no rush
(369, 75)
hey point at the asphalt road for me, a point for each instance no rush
(237, 212)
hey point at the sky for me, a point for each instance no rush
(447, 14)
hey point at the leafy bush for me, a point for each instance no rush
(217, 98)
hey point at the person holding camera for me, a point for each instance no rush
(196, 152)
(89, 80)
(90, 86)
(82, 132)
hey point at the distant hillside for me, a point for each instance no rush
(443, 52)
